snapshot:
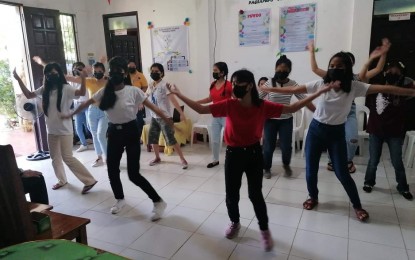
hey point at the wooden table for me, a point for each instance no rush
(65, 227)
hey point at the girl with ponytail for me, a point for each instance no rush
(220, 89)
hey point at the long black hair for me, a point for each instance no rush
(399, 65)
(222, 67)
(116, 64)
(245, 76)
(49, 86)
(346, 84)
(282, 60)
(261, 79)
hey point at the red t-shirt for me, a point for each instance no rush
(217, 94)
(244, 124)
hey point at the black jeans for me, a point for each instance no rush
(36, 187)
(140, 121)
(126, 136)
(249, 160)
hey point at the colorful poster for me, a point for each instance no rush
(170, 46)
(254, 27)
(297, 27)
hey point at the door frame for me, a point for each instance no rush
(105, 18)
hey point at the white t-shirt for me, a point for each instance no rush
(54, 123)
(333, 107)
(79, 99)
(126, 105)
(158, 95)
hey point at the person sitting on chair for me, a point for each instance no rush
(34, 184)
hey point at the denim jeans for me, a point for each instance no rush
(120, 137)
(215, 135)
(352, 133)
(321, 137)
(81, 126)
(249, 160)
(284, 128)
(98, 123)
(375, 151)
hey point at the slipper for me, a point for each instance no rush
(87, 188)
(213, 164)
(361, 214)
(57, 186)
(330, 167)
(310, 203)
(351, 167)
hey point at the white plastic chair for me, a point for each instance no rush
(408, 147)
(203, 125)
(361, 111)
(297, 127)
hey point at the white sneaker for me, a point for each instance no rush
(98, 162)
(158, 210)
(82, 148)
(117, 207)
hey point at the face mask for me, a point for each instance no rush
(392, 78)
(155, 76)
(281, 75)
(53, 78)
(116, 78)
(215, 75)
(98, 75)
(132, 70)
(336, 74)
(239, 91)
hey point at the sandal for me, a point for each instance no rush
(213, 164)
(155, 161)
(351, 167)
(361, 214)
(57, 186)
(330, 167)
(310, 203)
(88, 187)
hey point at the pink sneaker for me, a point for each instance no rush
(232, 230)
(267, 242)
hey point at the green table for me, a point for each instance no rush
(54, 249)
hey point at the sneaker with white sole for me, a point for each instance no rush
(117, 207)
(82, 148)
(232, 230)
(98, 162)
(158, 210)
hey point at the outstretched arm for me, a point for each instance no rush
(82, 90)
(390, 89)
(158, 112)
(39, 61)
(303, 102)
(191, 103)
(80, 108)
(205, 100)
(28, 94)
(286, 90)
(313, 62)
(176, 105)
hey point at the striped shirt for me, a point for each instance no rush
(284, 99)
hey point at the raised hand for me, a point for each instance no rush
(310, 46)
(173, 88)
(38, 60)
(332, 85)
(83, 73)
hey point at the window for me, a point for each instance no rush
(69, 39)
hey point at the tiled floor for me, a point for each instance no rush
(196, 215)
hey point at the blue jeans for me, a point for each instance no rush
(375, 151)
(80, 123)
(215, 135)
(352, 133)
(284, 128)
(98, 123)
(321, 137)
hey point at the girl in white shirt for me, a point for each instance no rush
(120, 103)
(57, 97)
(326, 130)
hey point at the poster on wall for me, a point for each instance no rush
(254, 27)
(297, 27)
(170, 46)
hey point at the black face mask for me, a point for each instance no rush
(336, 74)
(155, 76)
(281, 75)
(132, 70)
(53, 78)
(392, 78)
(215, 75)
(98, 75)
(116, 78)
(239, 91)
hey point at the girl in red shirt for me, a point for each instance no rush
(220, 89)
(245, 116)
